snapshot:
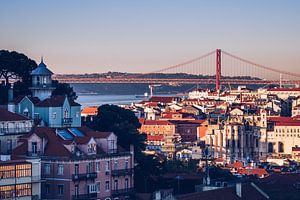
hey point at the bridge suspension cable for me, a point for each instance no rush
(261, 66)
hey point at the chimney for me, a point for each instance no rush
(10, 105)
(10, 93)
(238, 188)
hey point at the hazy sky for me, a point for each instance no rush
(142, 35)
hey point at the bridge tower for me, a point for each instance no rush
(218, 69)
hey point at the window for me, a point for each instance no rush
(54, 115)
(126, 164)
(23, 190)
(60, 189)
(106, 186)
(92, 188)
(9, 145)
(34, 148)
(47, 168)
(116, 165)
(47, 188)
(88, 167)
(126, 183)
(26, 112)
(76, 190)
(280, 147)
(98, 186)
(116, 185)
(66, 114)
(60, 169)
(76, 169)
(107, 166)
(92, 148)
(98, 166)
(77, 114)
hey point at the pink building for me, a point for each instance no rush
(78, 163)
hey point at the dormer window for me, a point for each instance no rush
(92, 148)
(26, 112)
(34, 148)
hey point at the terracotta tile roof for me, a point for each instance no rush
(34, 100)
(256, 172)
(9, 116)
(155, 137)
(56, 101)
(93, 110)
(160, 99)
(284, 121)
(82, 140)
(95, 134)
(158, 122)
(54, 146)
(236, 165)
(285, 89)
(281, 186)
(142, 120)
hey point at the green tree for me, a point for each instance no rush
(63, 89)
(122, 122)
(14, 65)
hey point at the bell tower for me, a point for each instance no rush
(41, 81)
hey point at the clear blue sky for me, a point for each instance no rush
(142, 35)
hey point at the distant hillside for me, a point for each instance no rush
(156, 75)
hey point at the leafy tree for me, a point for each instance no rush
(125, 125)
(14, 65)
(63, 89)
(122, 122)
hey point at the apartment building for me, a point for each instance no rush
(20, 179)
(78, 163)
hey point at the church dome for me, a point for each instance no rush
(41, 70)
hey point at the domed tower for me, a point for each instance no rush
(41, 81)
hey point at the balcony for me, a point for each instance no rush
(15, 130)
(87, 176)
(67, 121)
(122, 192)
(122, 172)
(34, 153)
(84, 196)
(41, 85)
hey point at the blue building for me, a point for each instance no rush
(50, 111)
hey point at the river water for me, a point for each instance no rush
(97, 100)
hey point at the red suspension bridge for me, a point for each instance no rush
(216, 67)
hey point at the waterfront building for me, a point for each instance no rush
(78, 163)
(20, 179)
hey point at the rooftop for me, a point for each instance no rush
(41, 70)
(9, 116)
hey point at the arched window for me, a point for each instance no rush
(280, 147)
(270, 147)
(26, 112)
(66, 114)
